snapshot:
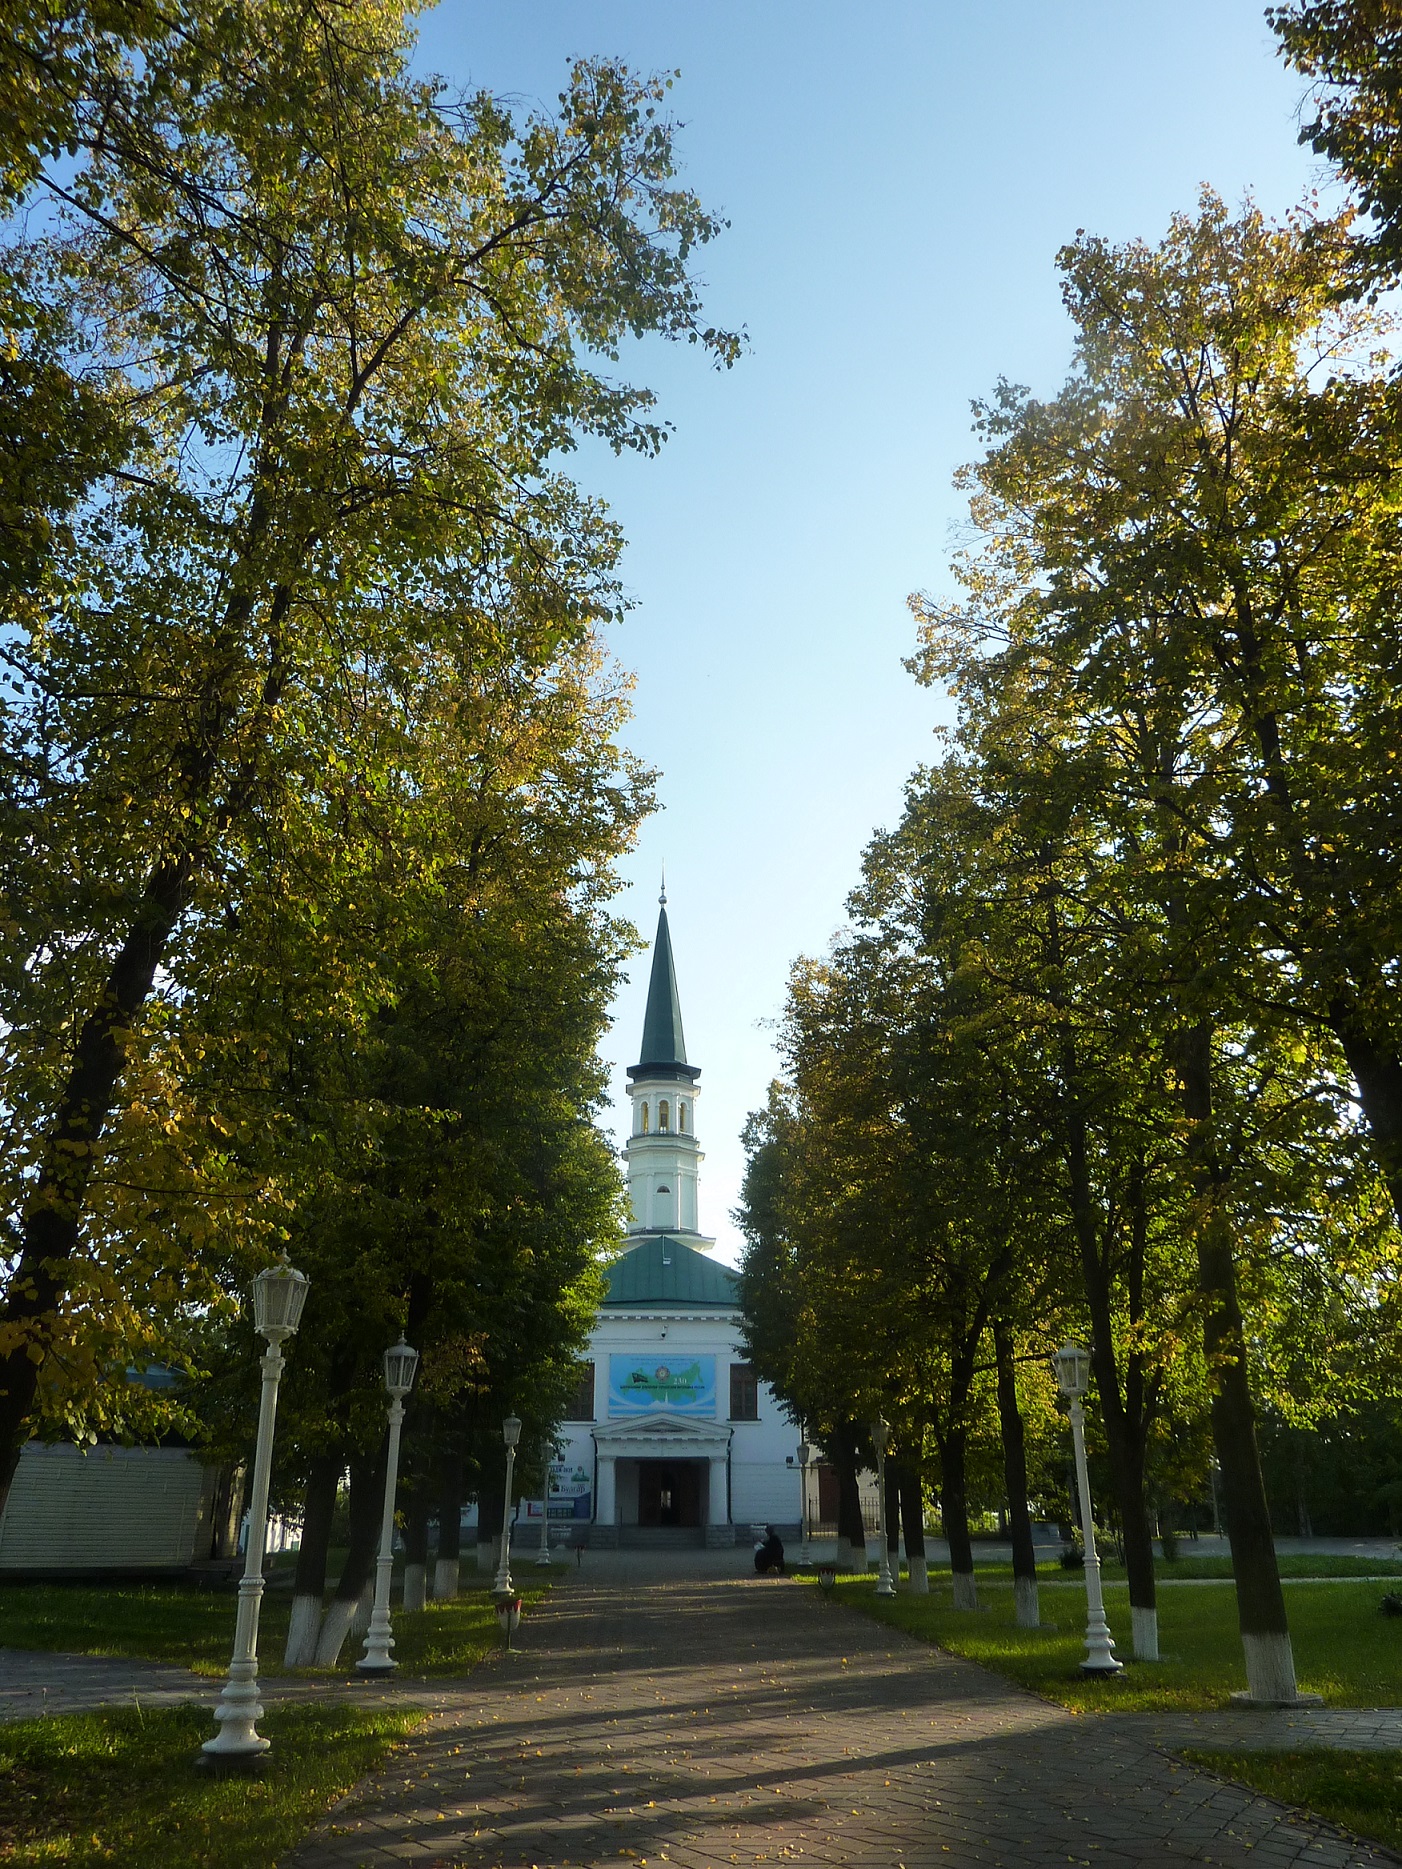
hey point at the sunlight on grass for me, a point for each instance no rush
(1344, 1649)
(120, 1786)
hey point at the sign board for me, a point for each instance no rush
(651, 1384)
(571, 1492)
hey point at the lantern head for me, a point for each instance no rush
(805, 1453)
(880, 1435)
(400, 1365)
(1071, 1366)
(511, 1430)
(279, 1292)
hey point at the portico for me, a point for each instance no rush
(664, 1472)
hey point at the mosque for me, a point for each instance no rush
(671, 1439)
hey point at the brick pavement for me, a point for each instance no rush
(714, 1721)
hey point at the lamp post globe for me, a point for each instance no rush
(510, 1434)
(1071, 1367)
(881, 1440)
(279, 1294)
(400, 1365)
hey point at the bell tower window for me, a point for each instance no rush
(664, 1116)
(681, 1119)
(644, 1111)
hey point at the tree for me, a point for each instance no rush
(1352, 52)
(1180, 600)
(346, 323)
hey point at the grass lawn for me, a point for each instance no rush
(1186, 1568)
(1361, 1791)
(118, 1786)
(1344, 1649)
(194, 1629)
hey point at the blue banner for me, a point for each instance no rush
(647, 1385)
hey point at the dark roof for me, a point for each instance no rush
(666, 1271)
(663, 1044)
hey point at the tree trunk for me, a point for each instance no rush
(309, 1583)
(450, 1491)
(1265, 1630)
(851, 1528)
(367, 1498)
(416, 1517)
(1377, 1070)
(1026, 1611)
(54, 1214)
(911, 1492)
(954, 1510)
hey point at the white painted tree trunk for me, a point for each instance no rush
(965, 1590)
(1270, 1669)
(1144, 1624)
(1027, 1612)
(919, 1584)
(335, 1627)
(849, 1557)
(445, 1579)
(415, 1586)
(488, 1551)
(303, 1628)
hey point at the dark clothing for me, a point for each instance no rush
(770, 1555)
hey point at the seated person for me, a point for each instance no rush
(769, 1556)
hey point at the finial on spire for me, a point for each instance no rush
(662, 899)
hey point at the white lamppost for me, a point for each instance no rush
(1072, 1367)
(279, 1292)
(805, 1466)
(510, 1433)
(542, 1557)
(881, 1440)
(400, 1364)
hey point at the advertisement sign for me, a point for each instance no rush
(649, 1384)
(571, 1492)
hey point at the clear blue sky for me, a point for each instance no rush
(898, 179)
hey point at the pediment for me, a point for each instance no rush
(662, 1430)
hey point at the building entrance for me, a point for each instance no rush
(670, 1492)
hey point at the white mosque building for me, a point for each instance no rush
(671, 1439)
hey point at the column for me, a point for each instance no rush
(606, 1505)
(718, 1527)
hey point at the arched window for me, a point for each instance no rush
(681, 1119)
(664, 1115)
(644, 1110)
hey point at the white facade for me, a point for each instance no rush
(720, 1472)
(681, 1445)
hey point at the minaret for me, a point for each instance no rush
(661, 1154)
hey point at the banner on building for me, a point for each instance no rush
(571, 1492)
(645, 1385)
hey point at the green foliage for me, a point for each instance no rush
(301, 692)
(1351, 51)
(119, 1785)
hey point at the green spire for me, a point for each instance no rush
(662, 1025)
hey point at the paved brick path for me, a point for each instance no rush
(712, 1722)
